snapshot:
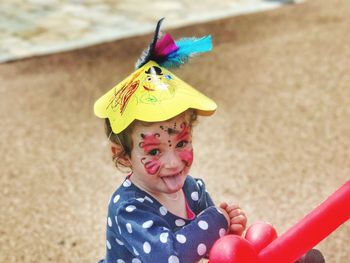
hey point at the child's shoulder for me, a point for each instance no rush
(194, 183)
(127, 194)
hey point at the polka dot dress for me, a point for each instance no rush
(140, 229)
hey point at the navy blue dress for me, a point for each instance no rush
(140, 229)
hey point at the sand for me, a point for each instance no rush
(278, 145)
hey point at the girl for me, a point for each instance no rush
(160, 213)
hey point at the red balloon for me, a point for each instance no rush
(232, 249)
(260, 234)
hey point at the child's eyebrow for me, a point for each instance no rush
(143, 144)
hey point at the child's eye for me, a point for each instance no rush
(154, 152)
(181, 144)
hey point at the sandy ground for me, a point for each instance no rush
(278, 145)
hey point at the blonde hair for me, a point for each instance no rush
(124, 140)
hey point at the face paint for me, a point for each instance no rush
(185, 133)
(152, 166)
(150, 143)
(168, 130)
(186, 156)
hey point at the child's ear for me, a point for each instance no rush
(118, 150)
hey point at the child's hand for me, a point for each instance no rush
(238, 219)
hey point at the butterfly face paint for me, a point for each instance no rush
(166, 144)
(162, 155)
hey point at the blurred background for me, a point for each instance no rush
(37, 27)
(279, 143)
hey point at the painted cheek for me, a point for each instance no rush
(151, 167)
(186, 156)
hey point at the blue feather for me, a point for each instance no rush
(187, 47)
(194, 45)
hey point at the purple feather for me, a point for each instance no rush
(165, 46)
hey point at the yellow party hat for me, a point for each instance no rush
(152, 93)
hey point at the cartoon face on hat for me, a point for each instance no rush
(151, 94)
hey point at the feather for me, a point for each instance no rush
(187, 47)
(165, 46)
(149, 51)
(173, 54)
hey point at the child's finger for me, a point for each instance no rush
(223, 205)
(235, 212)
(241, 219)
(236, 229)
(232, 207)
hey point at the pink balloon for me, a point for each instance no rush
(232, 249)
(260, 234)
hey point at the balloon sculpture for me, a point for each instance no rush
(261, 244)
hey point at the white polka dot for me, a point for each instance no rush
(222, 232)
(148, 199)
(119, 242)
(147, 247)
(163, 210)
(181, 238)
(147, 224)
(135, 260)
(109, 222)
(116, 198)
(194, 196)
(116, 220)
(120, 261)
(199, 182)
(135, 251)
(203, 225)
(201, 249)
(127, 183)
(140, 200)
(120, 231)
(180, 222)
(129, 227)
(108, 245)
(130, 208)
(173, 259)
(164, 237)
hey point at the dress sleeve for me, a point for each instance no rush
(147, 234)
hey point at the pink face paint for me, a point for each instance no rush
(150, 141)
(152, 166)
(186, 156)
(184, 134)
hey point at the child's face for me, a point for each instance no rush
(162, 155)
